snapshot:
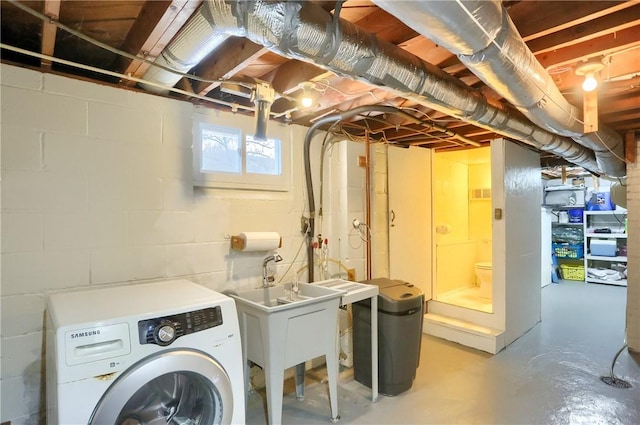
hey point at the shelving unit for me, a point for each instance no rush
(567, 239)
(567, 242)
(616, 244)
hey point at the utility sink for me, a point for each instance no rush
(280, 297)
(281, 329)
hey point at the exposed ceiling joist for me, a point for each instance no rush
(559, 33)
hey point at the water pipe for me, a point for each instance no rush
(333, 119)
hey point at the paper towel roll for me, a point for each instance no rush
(256, 241)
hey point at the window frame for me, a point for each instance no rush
(242, 180)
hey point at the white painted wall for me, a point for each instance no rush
(380, 211)
(522, 194)
(96, 190)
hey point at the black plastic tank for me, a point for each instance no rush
(400, 311)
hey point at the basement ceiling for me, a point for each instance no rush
(561, 34)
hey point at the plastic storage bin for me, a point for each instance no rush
(400, 309)
(575, 215)
(572, 272)
(568, 250)
(603, 247)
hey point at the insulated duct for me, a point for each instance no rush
(195, 40)
(483, 36)
(302, 30)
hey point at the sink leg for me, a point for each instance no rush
(245, 362)
(275, 386)
(300, 381)
(332, 370)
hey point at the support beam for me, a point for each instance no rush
(49, 30)
(590, 111)
(229, 58)
(630, 147)
(157, 23)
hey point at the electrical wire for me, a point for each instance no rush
(428, 116)
(610, 151)
(330, 260)
(119, 52)
(366, 238)
(304, 239)
(327, 85)
(128, 77)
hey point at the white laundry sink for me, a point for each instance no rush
(280, 297)
(280, 329)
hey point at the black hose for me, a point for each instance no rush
(307, 163)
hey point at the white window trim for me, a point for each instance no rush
(243, 180)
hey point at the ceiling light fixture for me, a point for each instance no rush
(589, 70)
(308, 97)
(590, 96)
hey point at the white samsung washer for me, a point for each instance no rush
(155, 353)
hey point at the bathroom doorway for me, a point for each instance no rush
(462, 224)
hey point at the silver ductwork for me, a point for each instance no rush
(305, 31)
(483, 36)
(195, 40)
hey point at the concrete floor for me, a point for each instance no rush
(551, 375)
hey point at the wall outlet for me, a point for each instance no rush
(351, 275)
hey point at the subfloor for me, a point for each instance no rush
(550, 375)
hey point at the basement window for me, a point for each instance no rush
(225, 158)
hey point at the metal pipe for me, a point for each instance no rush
(329, 119)
(126, 77)
(367, 197)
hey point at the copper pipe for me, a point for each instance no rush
(367, 197)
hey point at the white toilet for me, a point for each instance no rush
(484, 277)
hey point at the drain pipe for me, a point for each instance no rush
(483, 36)
(332, 119)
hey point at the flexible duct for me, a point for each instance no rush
(195, 40)
(485, 39)
(305, 31)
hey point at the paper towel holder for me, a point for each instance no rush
(239, 242)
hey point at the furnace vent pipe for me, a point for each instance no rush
(483, 36)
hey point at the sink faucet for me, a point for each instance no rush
(266, 279)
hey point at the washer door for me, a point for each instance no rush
(174, 387)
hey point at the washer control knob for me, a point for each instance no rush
(164, 333)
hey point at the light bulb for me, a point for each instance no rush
(306, 101)
(590, 83)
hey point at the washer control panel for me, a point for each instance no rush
(164, 330)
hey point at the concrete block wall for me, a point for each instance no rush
(633, 252)
(97, 190)
(380, 211)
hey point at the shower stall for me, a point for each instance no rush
(463, 228)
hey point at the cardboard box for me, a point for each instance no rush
(603, 247)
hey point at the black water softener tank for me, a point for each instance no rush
(400, 310)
